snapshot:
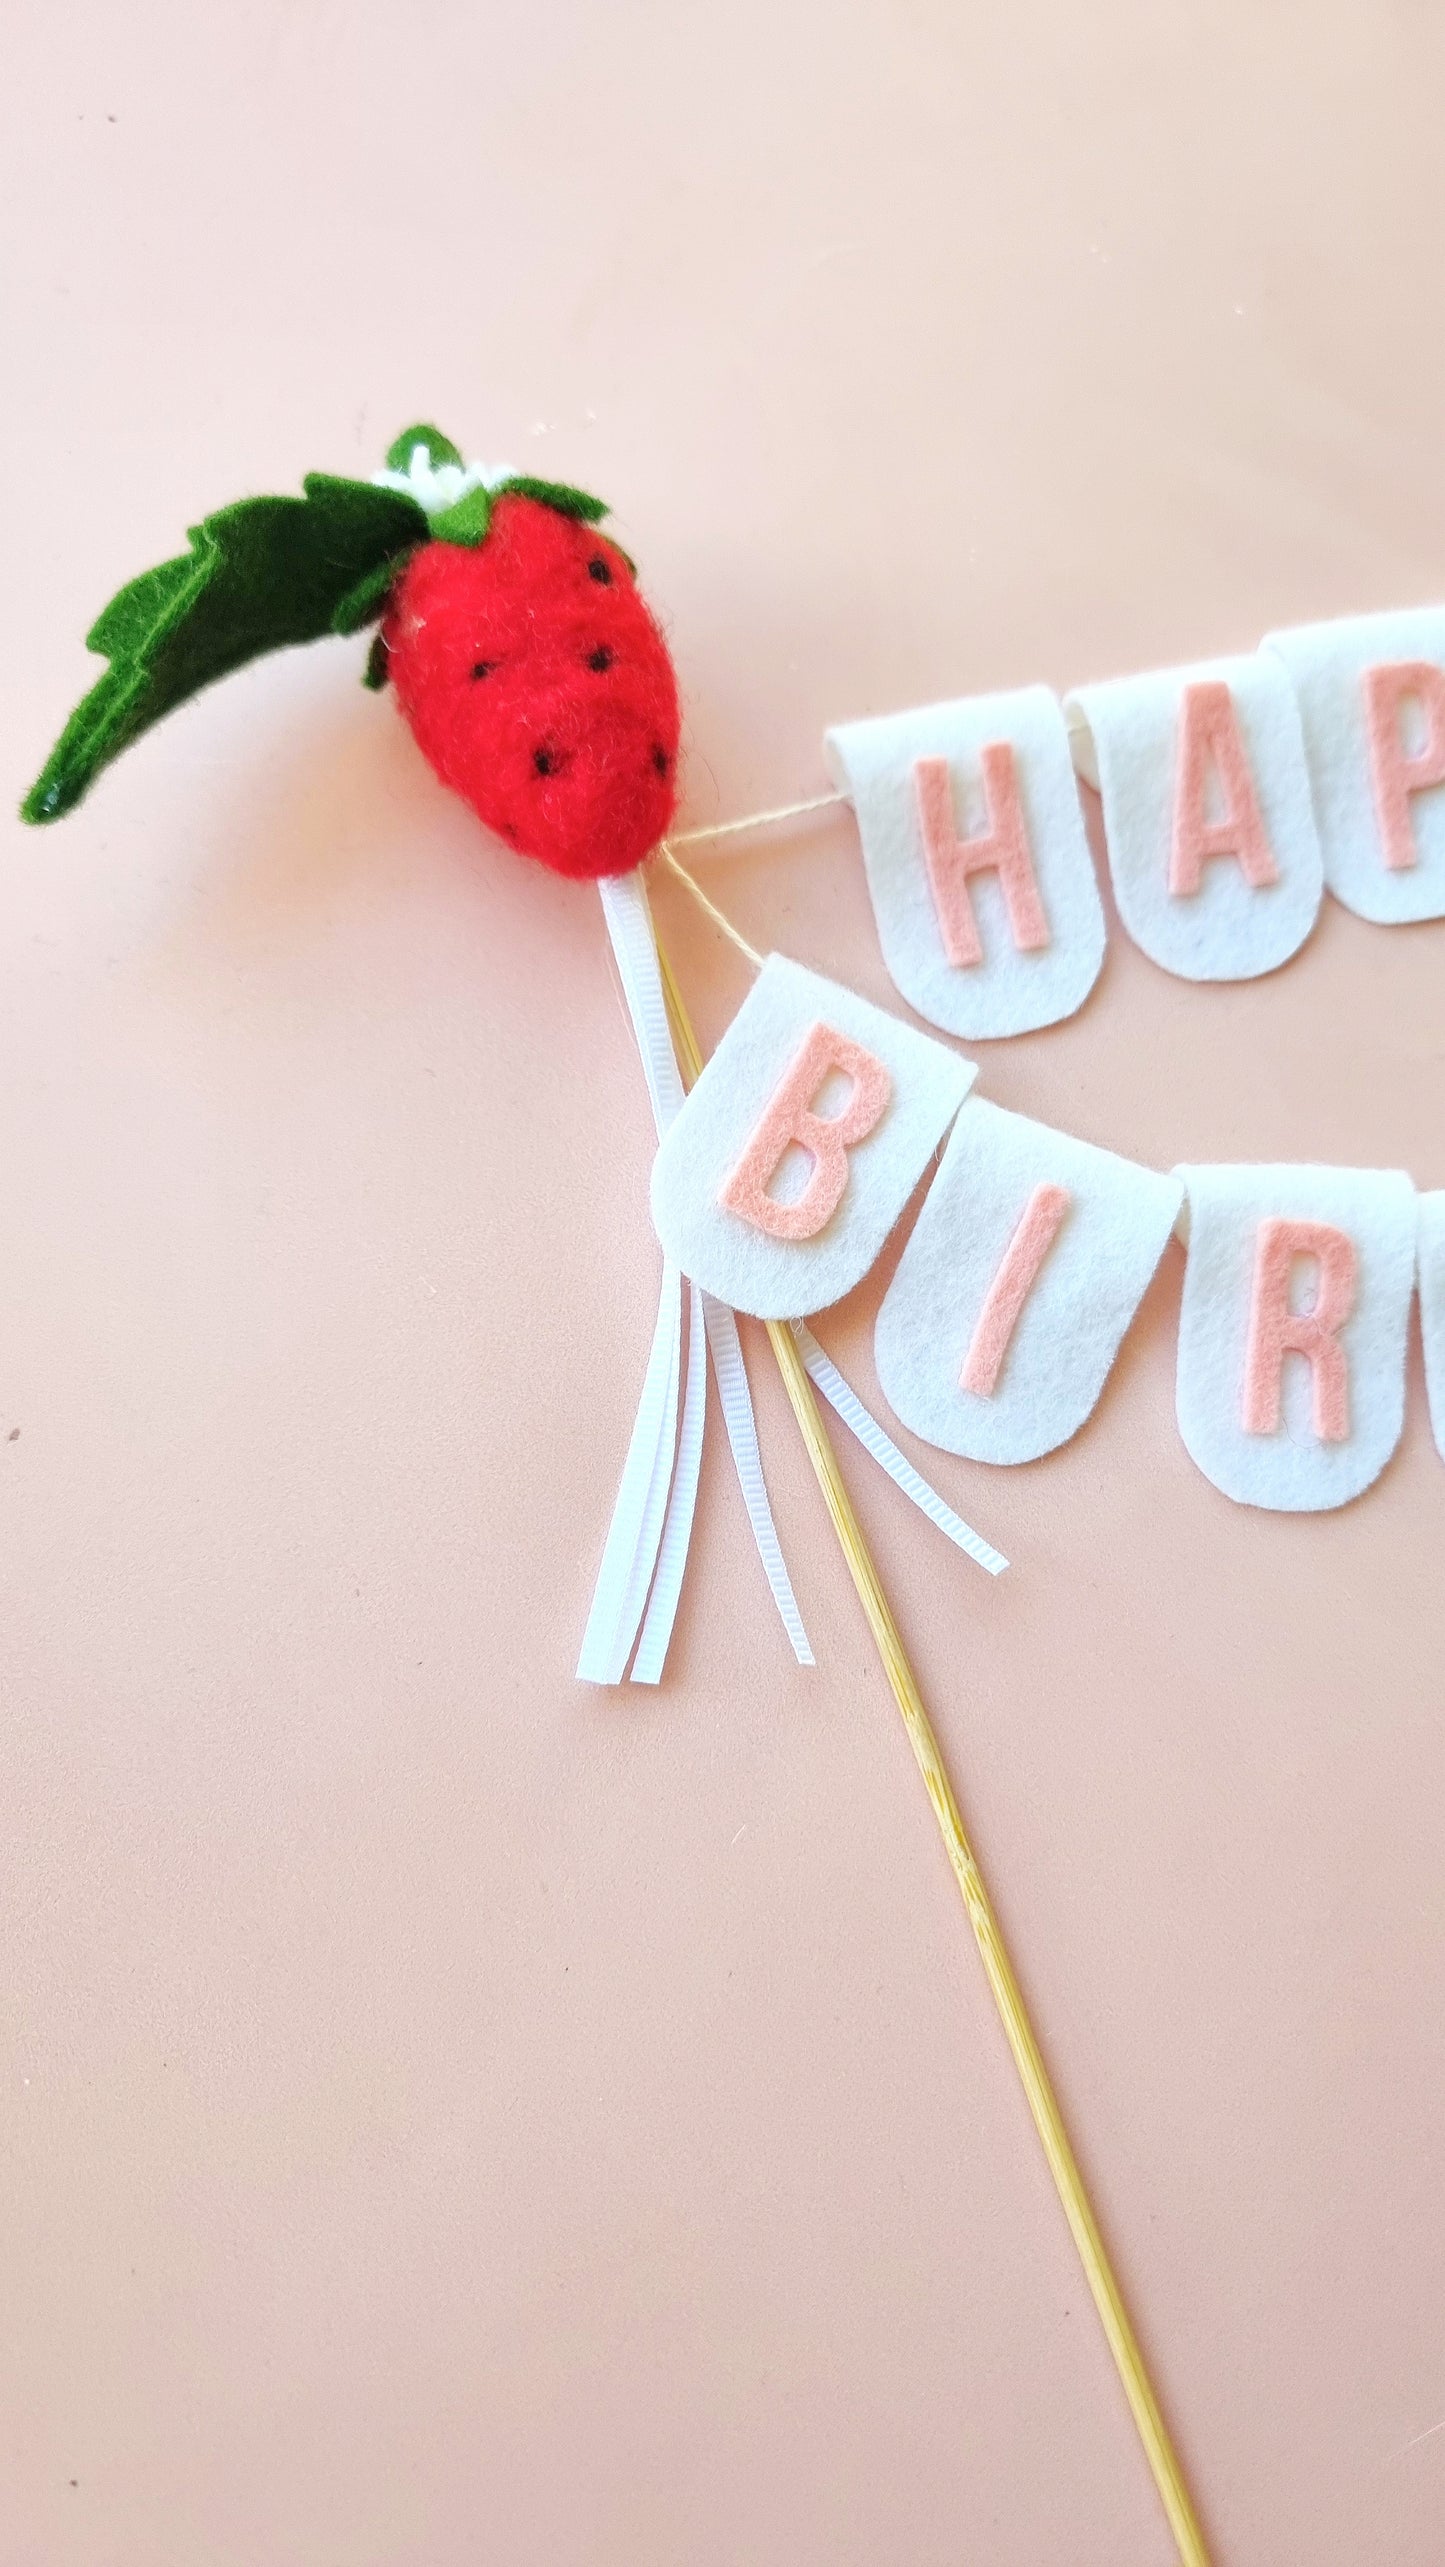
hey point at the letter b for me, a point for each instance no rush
(789, 1118)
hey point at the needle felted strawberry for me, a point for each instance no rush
(518, 644)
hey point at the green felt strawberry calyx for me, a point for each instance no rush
(468, 519)
(459, 497)
(437, 448)
(555, 494)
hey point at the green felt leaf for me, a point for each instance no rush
(556, 494)
(378, 664)
(363, 603)
(466, 521)
(259, 575)
(439, 449)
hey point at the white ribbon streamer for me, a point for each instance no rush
(681, 1505)
(651, 1530)
(737, 1409)
(885, 1452)
(643, 1511)
(630, 1554)
(629, 924)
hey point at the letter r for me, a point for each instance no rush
(1275, 1330)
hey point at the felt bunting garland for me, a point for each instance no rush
(1024, 1268)
(1233, 793)
(1032, 1252)
(979, 870)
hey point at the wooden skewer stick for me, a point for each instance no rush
(1007, 1994)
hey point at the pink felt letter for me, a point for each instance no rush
(1395, 775)
(1002, 848)
(1209, 737)
(1275, 1330)
(1036, 1232)
(788, 1118)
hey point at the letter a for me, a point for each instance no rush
(1209, 736)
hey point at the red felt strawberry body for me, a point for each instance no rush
(539, 686)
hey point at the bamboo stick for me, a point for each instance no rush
(1007, 1995)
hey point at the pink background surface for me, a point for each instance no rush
(448, 2114)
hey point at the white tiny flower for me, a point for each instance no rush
(438, 486)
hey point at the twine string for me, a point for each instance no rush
(708, 907)
(667, 855)
(758, 820)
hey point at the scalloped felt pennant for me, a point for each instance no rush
(756, 1191)
(1020, 1277)
(1297, 1290)
(1208, 819)
(1431, 1269)
(977, 863)
(1371, 693)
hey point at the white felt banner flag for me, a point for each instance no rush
(1432, 1307)
(802, 1141)
(1371, 691)
(1291, 1382)
(1025, 1267)
(978, 865)
(1212, 843)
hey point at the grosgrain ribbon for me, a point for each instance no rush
(742, 1431)
(681, 1505)
(861, 1422)
(630, 1553)
(646, 1551)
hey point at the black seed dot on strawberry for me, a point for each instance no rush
(597, 569)
(600, 659)
(660, 760)
(545, 762)
(483, 668)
